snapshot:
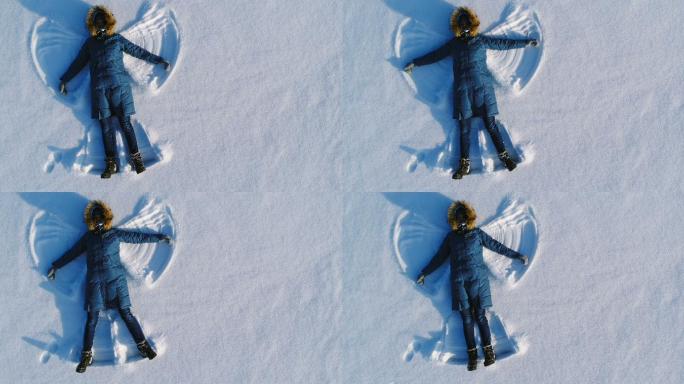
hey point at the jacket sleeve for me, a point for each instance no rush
(434, 56)
(503, 44)
(438, 259)
(139, 52)
(137, 237)
(77, 65)
(497, 247)
(72, 253)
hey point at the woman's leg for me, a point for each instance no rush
(136, 331)
(483, 326)
(464, 163)
(468, 327)
(89, 333)
(465, 138)
(132, 143)
(129, 133)
(493, 129)
(108, 138)
(132, 324)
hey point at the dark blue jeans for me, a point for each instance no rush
(469, 326)
(131, 323)
(492, 128)
(109, 135)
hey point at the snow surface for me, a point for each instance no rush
(305, 182)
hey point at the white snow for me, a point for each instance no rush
(305, 183)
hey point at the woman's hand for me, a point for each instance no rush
(420, 280)
(164, 238)
(165, 64)
(533, 42)
(524, 260)
(409, 68)
(51, 273)
(63, 88)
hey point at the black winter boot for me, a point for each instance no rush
(506, 159)
(86, 360)
(463, 170)
(111, 168)
(472, 359)
(490, 358)
(146, 350)
(137, 162)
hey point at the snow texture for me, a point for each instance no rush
(287, 121)
(49, 230)
(157, 31)
(513, 69)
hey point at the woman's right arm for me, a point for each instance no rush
(438, 259)
(77, 65)
(435, 56)
(71, 254)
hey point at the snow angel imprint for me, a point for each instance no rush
(469, 280)
(110, 88)
(106, 284)
(473, 83)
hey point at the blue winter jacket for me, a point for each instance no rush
(107, 70)
(469, 279)
(473, 83)
(106, 285)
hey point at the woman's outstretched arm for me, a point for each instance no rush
(497, 247)
(436, 55)
(438, 259)
(502, 44)
(75, 251)
(140, 237)
(77, 65)
(140, 52)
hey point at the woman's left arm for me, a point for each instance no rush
(497, 247)
(502, 44)
(140, 52)
(139, 237)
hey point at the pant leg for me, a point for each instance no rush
(493, 129)
(483, 326)
(129, 133)
(465, 138)
(468, 327)
(108, 137)
(132, 324)
(89, 333)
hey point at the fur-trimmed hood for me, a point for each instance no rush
(109, 18)
(108, 215)
(470, 214)
(474, 21)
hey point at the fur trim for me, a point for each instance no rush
(109, 19)
(471, 216)
(108, 215)
(474, 21)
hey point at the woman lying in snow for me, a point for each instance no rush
(473, 85)
(469, 281)
(111, 92)
(106, 285)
